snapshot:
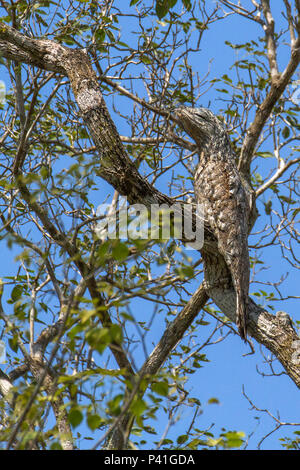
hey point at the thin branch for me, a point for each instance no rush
(282, 168)
(264, 110)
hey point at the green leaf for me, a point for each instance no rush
(185, 272)
(194, 400)
(286, 132)
(187, 4)
(161, 388)
(163, 6)
(226, 78)
(287, 199)
(114, 404)
(44, 306)
(268, 207)
(265, 154)
(93, 421)
(214, 442)
(100, 36)
(75, 417)
(213, 401)
(138, 406)
(120, 251)
(116, 334)
(85, 315)
(44, 172)
(98, 338)
(182, 439)
(195, 443)
(234, 439)
(146, 60)
(262, 83)
(16, 293)
(13, 343)
(56, 446)
(127, 316)
(103, 250)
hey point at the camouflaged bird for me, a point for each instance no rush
(218, 187)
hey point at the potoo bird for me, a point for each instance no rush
(218, 187)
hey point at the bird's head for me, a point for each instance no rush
(202, 125)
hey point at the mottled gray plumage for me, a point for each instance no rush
(219, 189)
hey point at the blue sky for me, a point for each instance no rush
(229, 370)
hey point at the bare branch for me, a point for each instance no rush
(281, 169)
(270, 37)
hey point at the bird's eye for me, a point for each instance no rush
(201, 115)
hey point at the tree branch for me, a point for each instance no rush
(278, 86)
(282, 168)
(270, 37)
